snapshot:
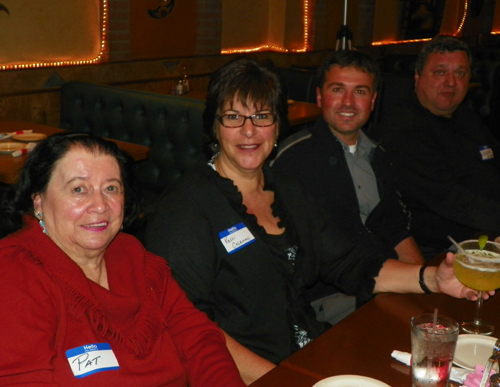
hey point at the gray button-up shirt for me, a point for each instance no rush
(365, 182)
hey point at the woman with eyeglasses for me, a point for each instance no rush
(247, 244)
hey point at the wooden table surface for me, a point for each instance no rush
(362, 343)
(10, 166)
(298, 112)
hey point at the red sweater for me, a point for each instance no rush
(48, 306)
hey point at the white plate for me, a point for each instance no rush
(472, 350)
(350, 381)
(6, 148)
(28, 137)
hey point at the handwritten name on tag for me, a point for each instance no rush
(91, 358)
(236, 237)
(486, 153)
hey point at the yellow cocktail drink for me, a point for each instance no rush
(482, 273)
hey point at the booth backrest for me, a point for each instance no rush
(170, 126)
(301, 83)
(391, 90)
(485, 96)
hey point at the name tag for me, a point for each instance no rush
(91, 358)
(486, 153)
(236, 237)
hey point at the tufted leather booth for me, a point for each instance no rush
(300, 82)
(170, 126)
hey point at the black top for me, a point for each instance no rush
(246, 292)
(448, 187)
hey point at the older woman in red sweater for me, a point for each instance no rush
(82, 303)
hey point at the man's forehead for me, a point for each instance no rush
(447, 58)
(340, 74)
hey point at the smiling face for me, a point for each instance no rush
(83, 205)
(444, 82)
(243, 150)
(346, 99)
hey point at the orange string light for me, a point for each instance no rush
(104, 28)
(271, 47)
(381, 43)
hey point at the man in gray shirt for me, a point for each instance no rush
(347, 172)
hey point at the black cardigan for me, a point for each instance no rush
(244, 292)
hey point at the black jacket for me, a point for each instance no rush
(316, 158)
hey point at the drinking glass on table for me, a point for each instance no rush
(478, 269)
(433, 341)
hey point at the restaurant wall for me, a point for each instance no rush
(33, 94)
(158, 37)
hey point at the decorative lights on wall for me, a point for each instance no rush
(271, 47)
(104, 28)
(381, 43)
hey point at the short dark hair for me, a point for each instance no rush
(40, 164)
(440, 44)
(349, 58)
(251, 83)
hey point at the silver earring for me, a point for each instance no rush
(40, 221)
(276, 144)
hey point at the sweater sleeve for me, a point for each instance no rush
(200, 342)
(29, 319)
(190, 250)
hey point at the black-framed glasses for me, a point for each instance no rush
(238, 120)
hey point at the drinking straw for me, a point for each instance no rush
(434, 320)
(460, 249)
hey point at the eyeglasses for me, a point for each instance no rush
(238, 120)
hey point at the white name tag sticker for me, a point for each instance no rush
(91, 358)
(236, 237)
(486, 153)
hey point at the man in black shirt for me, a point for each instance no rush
(445, 158)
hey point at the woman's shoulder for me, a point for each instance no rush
(21, 267)
(198, 179)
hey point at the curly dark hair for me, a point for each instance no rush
(40, 164)
(441, 44)
(251, 83)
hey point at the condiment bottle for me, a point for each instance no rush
(180, 88)
(185, 80)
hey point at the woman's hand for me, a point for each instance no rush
(448, 283)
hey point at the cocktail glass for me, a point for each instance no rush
(478, 269)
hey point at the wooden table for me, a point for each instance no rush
(362, 343)
(298, 112)
(10, 166)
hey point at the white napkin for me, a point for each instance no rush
(457, 374)
(28, 148)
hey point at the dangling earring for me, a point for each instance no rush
(276, 144)
(40, 222)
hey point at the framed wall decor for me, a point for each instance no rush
(420, 19)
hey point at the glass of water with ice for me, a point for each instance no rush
(433, 344)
